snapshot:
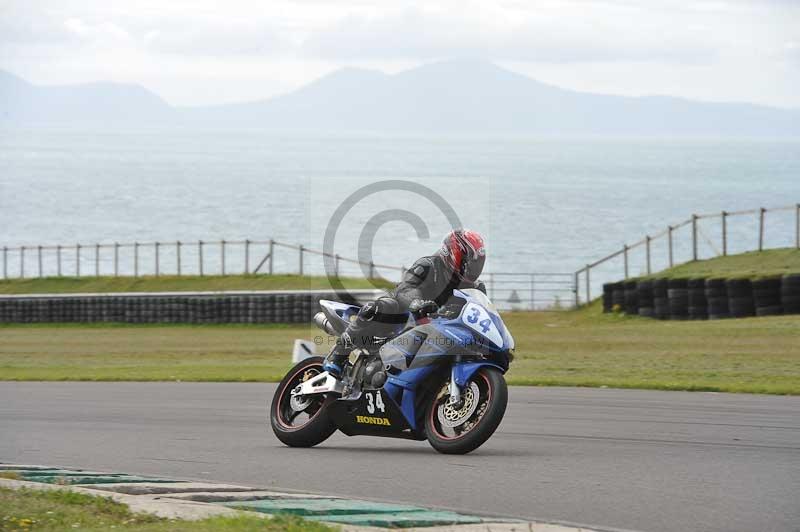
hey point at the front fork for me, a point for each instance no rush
(454, 390)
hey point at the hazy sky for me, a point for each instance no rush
(204, 51)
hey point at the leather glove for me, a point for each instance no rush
(422, 307)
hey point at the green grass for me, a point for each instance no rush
(575, 348)
(172, 283)
(770, 263)
(59, 510)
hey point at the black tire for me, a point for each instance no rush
(607, 291)
(631, 298)
(660, 299)
(645, 296)
(678, 295)
(791, 304)
(617, 296)
(488, 380)
(318, 427)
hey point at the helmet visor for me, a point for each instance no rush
(473, 268)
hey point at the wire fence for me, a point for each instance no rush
(699, 237)
(530, 291)
(222, 257)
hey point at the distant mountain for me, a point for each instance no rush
(90, 103)
(472, 97)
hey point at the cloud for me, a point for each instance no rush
(603, 32)
(216, 39)
(101, 32)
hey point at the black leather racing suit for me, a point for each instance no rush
(428, 279)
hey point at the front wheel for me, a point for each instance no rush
(301, 422)
(461, 430)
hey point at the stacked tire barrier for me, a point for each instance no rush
(767, 297)
(608, 290)
(645, 289)
(660, 299)
(740, 298)
(678, 296)
(618, 295)
(790, 294)
(717, 299)
(194, 307)
(701, 299)
(631, 297)
(697, 300)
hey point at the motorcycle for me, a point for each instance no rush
(438, 378)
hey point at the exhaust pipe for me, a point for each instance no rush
(322, 321)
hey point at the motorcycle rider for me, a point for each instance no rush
(426, 286)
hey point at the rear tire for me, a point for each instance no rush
(318, 427)
(493, 391)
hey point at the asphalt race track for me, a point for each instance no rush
(642, 460)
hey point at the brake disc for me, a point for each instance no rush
(452, 417)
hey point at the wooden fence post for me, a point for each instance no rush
(588, 286)
(576, 289)
(694, 237)
(222, 250)
(533, 285)
(200, 256)
(724, 234)
(625, 258)
(669, 239)
(271, 255)
(797, 227)
(301, 259)
(761, 228)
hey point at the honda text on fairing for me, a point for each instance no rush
(437, 378)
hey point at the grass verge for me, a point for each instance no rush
(574, 348)
(184, 283)
(755, 264)
(58, 510)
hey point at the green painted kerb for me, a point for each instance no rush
(78, 476)
(356, 512)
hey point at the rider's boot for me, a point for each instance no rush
(335, 361)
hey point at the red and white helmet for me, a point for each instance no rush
(464, 252)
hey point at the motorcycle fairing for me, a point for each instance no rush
(353, 416)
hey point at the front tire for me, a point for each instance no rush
(304, 427)
(461, 431)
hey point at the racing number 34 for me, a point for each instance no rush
(373, 401)
(485, 324)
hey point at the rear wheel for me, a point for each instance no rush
(301, 422)
(461, 430)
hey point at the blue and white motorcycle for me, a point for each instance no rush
(438, 378)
